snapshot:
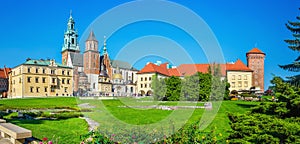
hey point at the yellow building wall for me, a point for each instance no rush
(144, 82)
(31, 84)
(239, 80)
(104, 85)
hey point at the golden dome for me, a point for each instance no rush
(117, 76)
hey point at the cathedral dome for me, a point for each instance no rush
(117, 76)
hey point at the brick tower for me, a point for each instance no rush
(91, 61)
(255, 61)
(71, 49)
(71, 45)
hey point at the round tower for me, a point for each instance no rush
(255, 61)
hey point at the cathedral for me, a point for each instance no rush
(94, 73)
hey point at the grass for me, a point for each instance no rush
(64, 131)
(39, 103)
(106, 111)
(113, 113)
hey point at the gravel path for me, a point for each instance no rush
(92, 124)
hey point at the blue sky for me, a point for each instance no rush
(35, 29)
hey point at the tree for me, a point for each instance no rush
(294, 44)
(219, 86)
(159, 87)
(173, 85)
(270, 122)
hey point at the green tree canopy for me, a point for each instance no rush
(294, 44)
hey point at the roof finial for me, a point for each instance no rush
(70, 13)
(104, 46)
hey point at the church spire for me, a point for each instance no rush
(104, 46)
(92, 37)
(71, 36)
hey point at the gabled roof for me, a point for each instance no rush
(4, 72)
(174, 72)
(77, 59)
(91, 37)
(191, 69)
(255, 51)
(237, 66)
(122, 65)
(152, 68)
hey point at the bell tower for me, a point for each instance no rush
(70, 44)
(255, 61)
(91, 61)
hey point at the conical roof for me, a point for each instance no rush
(92, 37)
(255, 51)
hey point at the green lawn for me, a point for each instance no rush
(65, 131)
(39, 103)
(111, 114)
(61, 131)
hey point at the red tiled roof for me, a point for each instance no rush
(152, 68)
(174, 72)
(4, 72)
(237, 66)
(255, 50)
(191, 69)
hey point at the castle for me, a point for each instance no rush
(95, 74)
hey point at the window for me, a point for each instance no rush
(52, 71)
(44, 80)
(68, 81)
(20, 80)
(246, 84)
(31, 89)
(37, 70)
(233, 77)
(145, 78)
(149, 78)
(28, 79)
(44, 71)
(53, 80)
(145, 85)
(245, 77)
(13, 81)
(240, 77)
(52, 88)
(141, 79)
(28, 69)
(36, 80)
(73, 41)
(63, 72)
(141, 85)
(37, 89)
(63, 81)
(66, 89)
(68, 73)
(46, 89)
(233, 84)
(240, 84)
